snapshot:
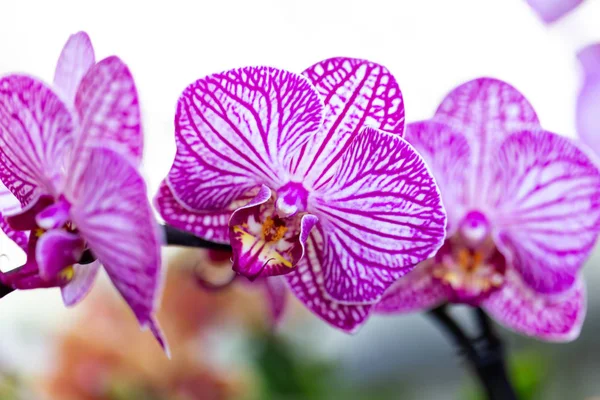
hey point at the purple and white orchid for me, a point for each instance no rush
(523, 214)
(298, 173)
(69, 154)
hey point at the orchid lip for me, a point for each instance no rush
(469, 274)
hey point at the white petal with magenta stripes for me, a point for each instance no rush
(35, 136)
(485, 111)
(419, 290)
(113, 215)
(306, 282)
(211, 225)
(381, 216)
(75, 60)
(448, 156)
(357, 93)
(548, 201)
(554, 318)
(234, 131)
(109, 111)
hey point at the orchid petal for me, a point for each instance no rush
(75, 60)
(382, 215)
(448, 155)
(57, 250)
(357, 93)
(306, 282)
(83, 279)
(113, 215)
(234, 131)
(588, 117)
(548, 214)
(276, 291)
(552, 10)
(35, 134)
(210, 225)
(554, 318)
(108, 108)
(485, 111)
(417, 291)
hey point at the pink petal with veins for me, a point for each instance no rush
(234, 131)
(75, 60)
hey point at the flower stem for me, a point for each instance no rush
(4, 290)
(485, 354)
(176, 237)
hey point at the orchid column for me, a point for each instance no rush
(306, 176)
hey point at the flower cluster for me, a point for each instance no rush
(313, 182)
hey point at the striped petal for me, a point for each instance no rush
(382, 215)
(75, 60)
(417, 291)
(108, 108)
(548, 202)
(210, 225)
(485, 111)
(448, 156)
(113, 215)
(235, 130)
(357, 93)
(588, 102)
(81, 283)
(552, 10)
(306, 282)
(554, 318)
(35, 136)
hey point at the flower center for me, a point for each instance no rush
(469, 265)
(266, 236)
(273, 229)
(291, 199)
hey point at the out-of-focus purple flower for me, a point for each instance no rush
(523, 210)
(588, 102)
(70, 154)
(297, 173)
(552, 10)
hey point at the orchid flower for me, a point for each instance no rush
(69, 154)
(552, 10)
(299, 175)
(588, 102)
(523, 214)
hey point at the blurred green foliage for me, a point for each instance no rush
(288, 374)
(529, 371)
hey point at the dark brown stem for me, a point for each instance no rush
(485, 354)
